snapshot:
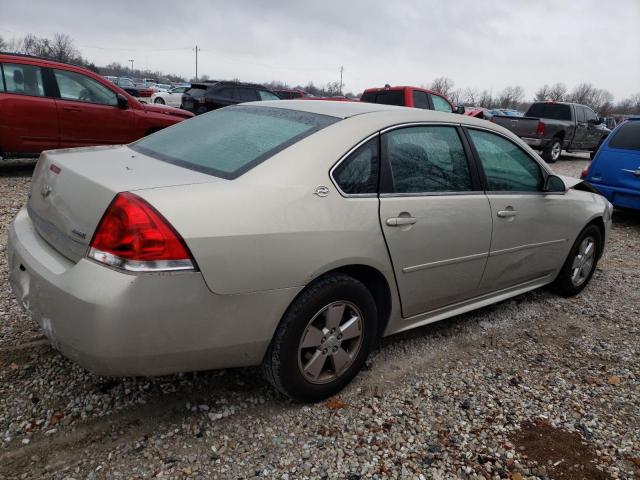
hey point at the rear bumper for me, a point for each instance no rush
(619, 197)
(533, 142)
(114, 323)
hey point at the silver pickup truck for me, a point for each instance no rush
(555, 126)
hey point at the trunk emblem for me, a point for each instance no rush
(46, 190)
(321, 191)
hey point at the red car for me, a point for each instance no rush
(46, 104)
(410, 97)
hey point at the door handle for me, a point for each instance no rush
(71, 109)
(507, 213)
(400, 221)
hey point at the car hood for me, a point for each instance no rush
(166, 110)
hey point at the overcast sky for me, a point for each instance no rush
(485, 44)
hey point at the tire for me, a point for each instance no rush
(304, 340)
(159, 101)
(570, 282)
(551, 153)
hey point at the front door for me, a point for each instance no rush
(436, 222)
(532, 231)
(89, 113)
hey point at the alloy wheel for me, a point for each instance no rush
(583, 261)
(556, 150)
(330, 342)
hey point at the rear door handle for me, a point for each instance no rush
(507, 213)
(400, 221)
(71, 109)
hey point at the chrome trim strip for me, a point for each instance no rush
(433, 194)
(449, 261)
(421, 123)
(342, 159)
(526, 247)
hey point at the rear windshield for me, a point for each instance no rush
(197, 91)
(628, 136)
(556, 111)
(230, 141)
(386, 97)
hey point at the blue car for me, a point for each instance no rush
(615, 169)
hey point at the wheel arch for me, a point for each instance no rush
(599, 222)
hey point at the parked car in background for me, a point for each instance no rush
(160, 87)
(615, 169)
(291, 93)
(291, 234)
(47, 105)
(506, 112)
(143, 94)
(410, 97)
(171, 97)
(555, 126)
(206, 96)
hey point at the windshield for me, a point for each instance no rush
(231, 141)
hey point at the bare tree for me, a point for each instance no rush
(543, 94)
(443, 85)
(455, 96)
(511, 97)
(470, 96)
(558, 92)
(486, 99)
(3, 44)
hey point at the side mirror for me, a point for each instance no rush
(600, 121)
(554, 184)
(460, 110)
(122, 101)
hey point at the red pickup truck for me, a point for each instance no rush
(46, 104)
(410, 97)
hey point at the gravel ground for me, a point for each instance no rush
(535, 387)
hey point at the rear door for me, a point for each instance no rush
(580, 137)
(174, 96)
(531, 229)
(88, 112)
(29, 120)
(436, 221)
(222, 96)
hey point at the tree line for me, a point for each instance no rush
(62, 48)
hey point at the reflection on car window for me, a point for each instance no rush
(264, 95)
(627, 136)
(359, 173)
(506, 166)
(75, 86)
(427, 159)
(23, 79)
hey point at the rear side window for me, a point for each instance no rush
(23, 79)
(385, 97)
(247, 94)
(506, 166)
(427, 159)
(358, 174)
(1, 79)
(440, 104)
(78, 87)
(230, 141)
(628, 136)
(580, 115)
(556, 111)
(420, 100)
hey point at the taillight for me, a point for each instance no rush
(585, 171)
(134, 236)
(540, 130)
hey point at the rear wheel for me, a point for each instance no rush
(551, 152)
(323, 340)
(159, 100)
(581, 263)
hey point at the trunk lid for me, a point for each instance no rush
(72, 188)
(521, 126)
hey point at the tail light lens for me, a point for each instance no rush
(540, 130)
(585, 171)
(134, 236)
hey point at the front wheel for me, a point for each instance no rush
(580, 264)
(551, 152)
(159, 101)
(323, 339)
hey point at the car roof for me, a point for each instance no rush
(401, 88)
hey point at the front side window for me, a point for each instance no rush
(580, 115)
(440, 104)
(1, 79)
(78, 87)
(179, 90)
(420, 99)
(590, 115)
(264, 95)
(426, 160)
(506, 166)
(23, 79)
(358, 173)
(627, 136)
(126, 82)
(230, 141)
